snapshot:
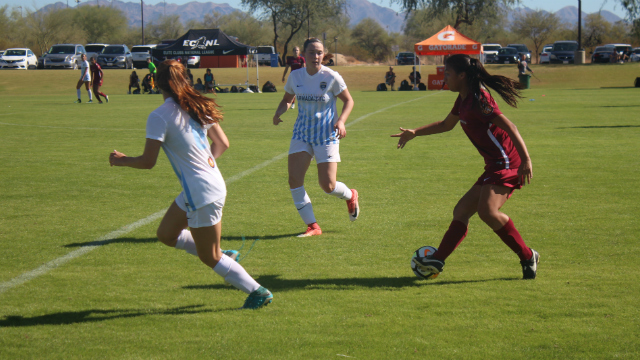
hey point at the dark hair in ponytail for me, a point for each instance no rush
(172, 79)
(508, 89)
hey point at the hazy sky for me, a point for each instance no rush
(588, 6)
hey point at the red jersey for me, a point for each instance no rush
(295, 62)
(492, 143)
(96, 72)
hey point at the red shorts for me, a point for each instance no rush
(506, 177)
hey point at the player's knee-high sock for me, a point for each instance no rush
(185, 242)
(341, 191)
(303, 203)
(236, 275)
(512, 238)
(90, 96)
(79, 92)
(101, 94)
(452, 238)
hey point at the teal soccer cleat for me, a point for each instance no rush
(257, 299)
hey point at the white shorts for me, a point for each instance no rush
(322, 153)
(86, 78)
(207, 215)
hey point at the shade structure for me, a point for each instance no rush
(448, 41)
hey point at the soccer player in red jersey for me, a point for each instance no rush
(294, 62)
(507, 161)
(96, 80)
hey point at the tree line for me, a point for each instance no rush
(287, 23)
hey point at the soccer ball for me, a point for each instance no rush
(415, 263)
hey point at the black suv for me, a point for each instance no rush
(563, 52)
(116, 56)
(522, 50)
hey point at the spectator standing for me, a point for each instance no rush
(390, 78)
(415, 77)
(209, 81)
(523, 66)
(134, 81)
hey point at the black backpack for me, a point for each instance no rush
(404, 86)
(269, 87)
(637, 83)
(422, 86)
(234, 89)
(254, 88)
(381, 87)
(240, 89)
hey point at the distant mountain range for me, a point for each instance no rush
(356, 9)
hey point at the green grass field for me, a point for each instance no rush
(350, 292)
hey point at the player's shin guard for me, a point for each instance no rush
(341, 191)
(303, 203)
(512, 238)
(185, 242)
(236, 275)
(452, 238)
(79, 92)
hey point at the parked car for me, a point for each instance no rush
(602, 54)
(490, 52)
(116, 56)
(18, 58)
(64, 56)
(546, 52)
(522, 50)
(563, 52)
(623, 50)
(407, 58)
(635, 55)
(140, 54)
(193, 61)
(264, 54)
(93, 50)
(507, 55)
(2, 52)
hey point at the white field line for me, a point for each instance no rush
(23, 278)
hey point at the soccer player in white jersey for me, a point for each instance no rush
(180, 127)
(317, 132)
(85, 77)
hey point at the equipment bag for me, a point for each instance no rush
(637, 83)
(381, 87)
(234, 89)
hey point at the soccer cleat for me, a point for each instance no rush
(99, 102)
(90, 102)
(107, 97)
(77, 101)
(312, 230)
(429, 264)
(257, 299)
(352, 205)
(530, 267)
(233, 254)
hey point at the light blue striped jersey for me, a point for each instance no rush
(185, 142)
(316, 98)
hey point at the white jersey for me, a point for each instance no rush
(316, 98)
(185, 142)
(84, 67)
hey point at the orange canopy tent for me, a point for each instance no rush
(448, 41)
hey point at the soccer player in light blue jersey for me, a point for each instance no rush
(317, 132)
(180, 126)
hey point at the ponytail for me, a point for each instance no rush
(477, 76)
(172, 79)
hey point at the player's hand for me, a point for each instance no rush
(276, 120)
(525, 172)
(340, 130)
(114, 158)
(405, 136)
(283, 79)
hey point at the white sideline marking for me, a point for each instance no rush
(21, 279)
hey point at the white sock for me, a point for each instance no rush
(236, 275)
(303, 203)
(90, 96)
(341, 191)
(78, 91)
(185, 242)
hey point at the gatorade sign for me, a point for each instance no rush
(446, 42)
(447, 36)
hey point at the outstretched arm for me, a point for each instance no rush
(286, 68)
(145, 161)
(434, 128)
(285, 104)
(525, 171)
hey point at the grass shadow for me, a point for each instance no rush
(599, 127)
(113, 241)
(273, 283)
(254, 237)
(95, 315)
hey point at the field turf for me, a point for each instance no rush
(349, 293)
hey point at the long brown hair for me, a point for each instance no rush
(172, 79)
(508, 89)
